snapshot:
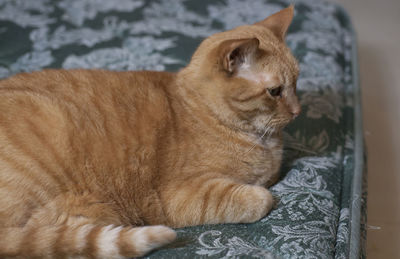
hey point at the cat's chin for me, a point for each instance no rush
(272, 130)
(266, 132)
(269, 126)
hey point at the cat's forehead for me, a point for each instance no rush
(266, 79)
(270, 71)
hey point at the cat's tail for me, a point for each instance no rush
(88, 241)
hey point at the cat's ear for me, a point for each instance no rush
(279, 22)
(236, 53)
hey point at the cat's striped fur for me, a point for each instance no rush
(93, 241)
(96, 164)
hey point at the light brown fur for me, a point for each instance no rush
(83, 152)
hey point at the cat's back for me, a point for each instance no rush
(57, 125)
(85, 103)
(81, 83)
(83, 92)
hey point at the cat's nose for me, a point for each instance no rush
(293, 105)
(295, 112)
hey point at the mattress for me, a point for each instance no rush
(322, 189)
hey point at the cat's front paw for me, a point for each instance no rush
(258, 202)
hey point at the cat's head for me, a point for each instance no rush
(248, 75)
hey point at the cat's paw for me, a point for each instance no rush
(258, 203)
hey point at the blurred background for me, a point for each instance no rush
(377, 25)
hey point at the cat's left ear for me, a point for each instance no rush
(279, 22)
(236, 53)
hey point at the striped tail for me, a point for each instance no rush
(83, 241)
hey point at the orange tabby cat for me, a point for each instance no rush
(87, 158)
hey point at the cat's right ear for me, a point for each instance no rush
(279, 22)
(237, 53)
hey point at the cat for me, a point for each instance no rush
(101, 164)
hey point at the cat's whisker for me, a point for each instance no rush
(255, 144)
(262, 136)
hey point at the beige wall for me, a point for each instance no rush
(378, 27)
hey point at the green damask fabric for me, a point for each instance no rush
(317, 216)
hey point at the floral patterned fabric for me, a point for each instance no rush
(315, 216)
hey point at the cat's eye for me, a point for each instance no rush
(276, 91)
